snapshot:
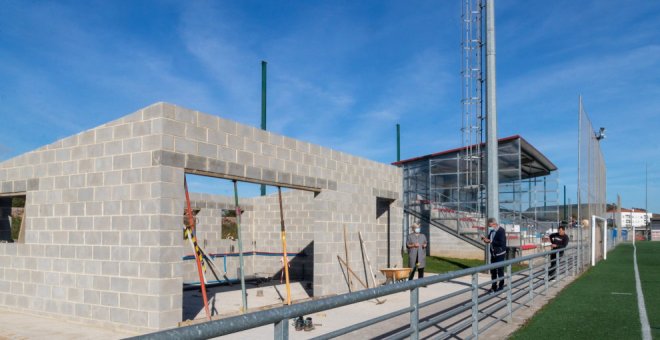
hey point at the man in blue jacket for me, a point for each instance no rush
(497, 244)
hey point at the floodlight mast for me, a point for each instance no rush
(491, 115)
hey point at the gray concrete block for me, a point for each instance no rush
(197, 162)
(298, 180)
(131, 145)
(252, 172)
(171, 127)
(20, 186)
(184, 145)
(310, 181)
(245, 158)
(141, 128)
(196, 133)
(94, 179)
(235, 142)
(217, 166)
(269, 175)
(7, 187)
(169, 158)
(227, 154)
(284, 177)
(185, 115)
(91, 297)
(208, 150)
(109, 268)
(129, 269)
(121, 131)
(217, 137)
(227, 126)
(121, 162)
(104, 134)
(236, 169)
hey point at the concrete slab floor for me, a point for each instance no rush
(19, 325)
(226, 300)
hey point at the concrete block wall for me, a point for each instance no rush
(445, 245)
(348, 185)
(95, 248)
(104, 212)
(266, 233)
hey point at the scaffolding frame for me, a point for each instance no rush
(472, 119)
(528, 191)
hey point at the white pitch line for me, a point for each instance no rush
(643, 318)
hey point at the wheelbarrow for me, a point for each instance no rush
(393, 275)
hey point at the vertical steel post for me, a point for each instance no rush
(579, 197)
(565, 210)
(618, 222)
(565, 266)
(546, 275)
(475, 306)
(281, 330)
(240, 248)
(414, 314)
(263, 108)
(508, 293)
(491, 115)
(531, 281)
(398, 143)
(579, 249)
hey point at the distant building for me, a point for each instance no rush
(629, 218)
(655, 228)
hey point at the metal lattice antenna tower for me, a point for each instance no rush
(470, 182)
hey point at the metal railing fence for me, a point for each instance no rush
(475, 313)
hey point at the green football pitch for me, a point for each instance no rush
(602, 303)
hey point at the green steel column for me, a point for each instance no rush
(263, 108)
(398, 142)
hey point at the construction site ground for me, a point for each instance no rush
(19, 325)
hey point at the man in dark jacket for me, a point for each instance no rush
(558, 240)
(497, 242)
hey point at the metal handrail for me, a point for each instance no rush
(280, 316)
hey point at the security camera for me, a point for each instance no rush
(600, 134)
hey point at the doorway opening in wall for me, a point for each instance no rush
(258, 219)
(12, 218)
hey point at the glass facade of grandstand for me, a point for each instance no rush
(438, 187)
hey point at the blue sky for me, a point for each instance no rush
(341, 73)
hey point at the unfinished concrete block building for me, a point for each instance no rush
(102, 234)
